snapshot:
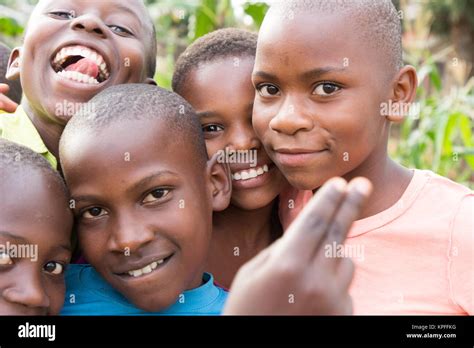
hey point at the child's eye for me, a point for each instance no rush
(156, 195)
(54, 267)
(268, 90)
(63, 14)
(325, 89)
(93, 213)
(5, 259)
(211, 128)
(120, 30)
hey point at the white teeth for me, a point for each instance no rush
(85, 52)
(135, 273)
(250, 174)
(145, 270)
(78, 77)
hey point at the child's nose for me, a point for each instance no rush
(129, 235)
(291, 118)
(28, 290)
(89, 23)
(244, 138)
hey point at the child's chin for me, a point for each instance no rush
(254, 200)
(155, 303)
(302, 181)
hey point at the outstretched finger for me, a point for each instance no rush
(306, 233)
(358, 190)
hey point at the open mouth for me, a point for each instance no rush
(250, 173)
(81, 64)
(136, 273)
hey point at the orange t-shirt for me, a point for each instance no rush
(416, 257)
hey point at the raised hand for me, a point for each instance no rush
(294, 276)
(6, 104)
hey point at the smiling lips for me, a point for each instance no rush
(296, 157)
(81, 64)
(135, 273)
(250, 173)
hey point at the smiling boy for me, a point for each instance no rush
(324, 72)
(71, 51)
(213, 75)
(144, 218)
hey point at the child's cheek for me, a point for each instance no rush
(91, 244)
(133, 64)
(56, 292)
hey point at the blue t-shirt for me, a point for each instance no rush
(92, 295)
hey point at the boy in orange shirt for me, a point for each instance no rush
(324, 72)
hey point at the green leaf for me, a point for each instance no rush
(205, 18)
(435, 77)
(10, 27)
(257, 11)
(465, 127)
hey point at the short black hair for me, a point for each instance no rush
(15, 157)
(15, 91)
(134, 102)
(222, 43)
(377, 21)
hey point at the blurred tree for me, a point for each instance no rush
(454, 20)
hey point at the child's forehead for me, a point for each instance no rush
(371, 26)
(115, 5)
(143, 139)
(42, 205)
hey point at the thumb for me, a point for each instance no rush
(4, 88)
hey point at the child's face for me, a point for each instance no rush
(34, 244)
(222, 94)
(110, 34)
(320, 87)
(144, 218)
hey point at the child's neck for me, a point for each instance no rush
(49, 131)
(251, 228)
(389, 180)
(237, 236)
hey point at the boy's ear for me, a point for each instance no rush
(150, 81)
(404, 93)
(220, 183)
(13, 70)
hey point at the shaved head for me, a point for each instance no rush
(377, 21)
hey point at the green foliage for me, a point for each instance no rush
(10, 27)
(449, 13)
(182, 22)
(257, 11)
(440, 138)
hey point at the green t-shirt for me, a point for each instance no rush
(17, 127)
